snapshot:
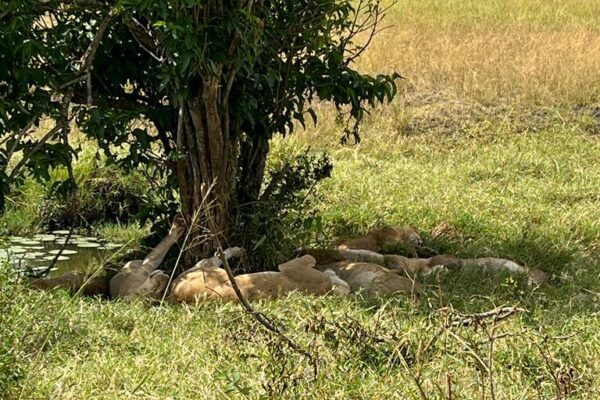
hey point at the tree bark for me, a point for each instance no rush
(253, 161)
(207, 170)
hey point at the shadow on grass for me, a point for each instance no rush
(573, 284)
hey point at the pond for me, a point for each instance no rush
(33, 255)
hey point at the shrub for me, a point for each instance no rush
(285, 216)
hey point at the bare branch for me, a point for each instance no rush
(373, 28)
(498, 314)
(60, 252)
(35, 149)
(5, 13)
(19, 137)
(261, 318)
(89, 88)
(277, 177)
(88, 57)
(73, 81)
(143, 38)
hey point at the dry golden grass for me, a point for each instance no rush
(527, 51)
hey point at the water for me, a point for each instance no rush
(32, 255)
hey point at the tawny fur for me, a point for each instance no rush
(330, 256)
(372, 278)
(378, 238)
(212, 282)
(355, 265)
(339, 286)
(139, 277)
(422, 266)
(74, 282)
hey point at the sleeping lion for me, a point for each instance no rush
(354, 266)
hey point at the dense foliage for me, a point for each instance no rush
(190, 91)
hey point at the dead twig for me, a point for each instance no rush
(277, 177)
(498, 314)
(262, 318)
(50, 135)
(550, 370)
(491, 336)
(60, 252)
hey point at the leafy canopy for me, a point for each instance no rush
(120, 69)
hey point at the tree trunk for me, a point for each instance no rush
(206, 170)
(253, 161)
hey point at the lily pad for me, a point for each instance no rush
(87, 239)
(28, 242)
(111, 246)
(88, 245)
(40, 269)
(16, 250)
(60, 258)
(45, 238)
(65, 252)
(61, 232)
(34, 254)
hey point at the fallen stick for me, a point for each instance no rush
(498, 314)
(262, 318)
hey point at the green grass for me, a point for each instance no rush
(128, 234)
(516, 190)
(496, 134)
(74, 348)
(103, 191)
(526, 190)
(23, 212)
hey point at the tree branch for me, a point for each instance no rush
(84, 71)
(498, 314)
(277, 177)
(88, 57)
(35, 149)
(262, 318)
(19, 137)
(143, 38)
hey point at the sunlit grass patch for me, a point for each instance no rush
(130, 234)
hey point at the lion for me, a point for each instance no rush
(211, 282)
(412, 267)
(354, 266)
(74, 282)
(425, 266)
(379, 238)
(371, 278)
(141, 277)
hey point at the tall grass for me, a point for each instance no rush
(533, 51)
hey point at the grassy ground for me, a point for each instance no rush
(495, 134)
